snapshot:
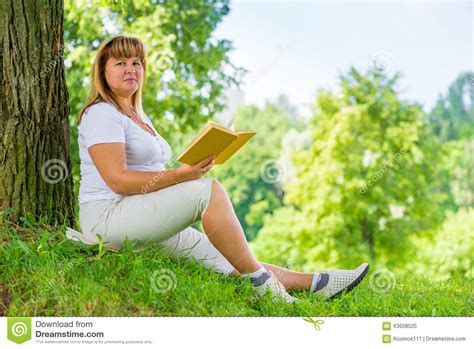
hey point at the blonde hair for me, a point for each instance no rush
(117, 47)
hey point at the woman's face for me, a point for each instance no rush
(124, 75)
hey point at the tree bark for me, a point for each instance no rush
(35, 161)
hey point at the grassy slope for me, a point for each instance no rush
(45, 275)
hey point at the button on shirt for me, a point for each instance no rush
(103, 123)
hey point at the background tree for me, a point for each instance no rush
(452, 120)
(450, 252)
(363, 187)
(253, 176)
(34, 149)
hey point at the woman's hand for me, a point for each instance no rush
(196, 171)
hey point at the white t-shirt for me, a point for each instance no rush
(103, 123)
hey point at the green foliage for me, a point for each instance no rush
(456, 179)
(453, 116)
(281, 240)
(450, 253)
(452, 120)
(248, 178)
(365, 183)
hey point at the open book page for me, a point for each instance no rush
(197, 137)
(215, 139)
(243, 137)
(211, 142)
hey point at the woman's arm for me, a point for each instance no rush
(111, 162)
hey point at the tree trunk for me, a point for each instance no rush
(35, 162)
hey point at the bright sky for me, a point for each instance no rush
(295, 47)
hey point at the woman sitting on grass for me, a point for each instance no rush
(127, 193)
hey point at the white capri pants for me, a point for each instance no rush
(164, 216)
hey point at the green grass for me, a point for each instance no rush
(44, 274)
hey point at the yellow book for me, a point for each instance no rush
(215, 139)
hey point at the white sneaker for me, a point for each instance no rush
(333, 283)
(277, 290)
(86, 238)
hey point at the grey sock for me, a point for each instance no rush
(319, 281)
(258, 277)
